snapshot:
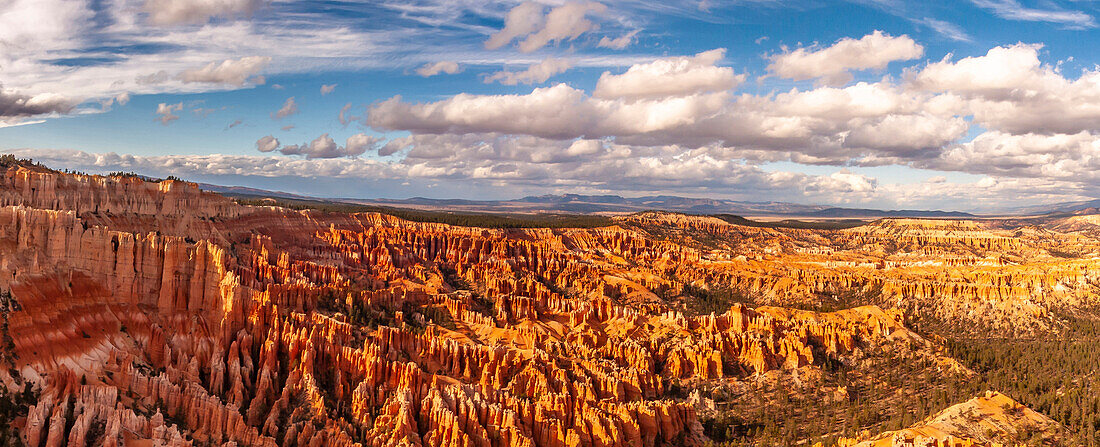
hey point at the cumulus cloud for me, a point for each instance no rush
(166, 113)
(552, 111)
(235, 123)
(998, 74)
(178, 12)
(824, 125)
(267, 144)
(618, 43)
(16, 106)
(359, 143)
(565, 22)
(322, 147)
(534, 74)
(833, 65)
(1070, 157)
(327, 88)
(673, 76)
(1009, 89)
(230, 71)
(432, 69)
(289, 108)
(845, 181)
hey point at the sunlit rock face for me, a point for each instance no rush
(154, 311)
(969, 424)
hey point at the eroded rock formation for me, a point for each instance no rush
(156, 311)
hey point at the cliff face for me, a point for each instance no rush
(84, 194)
(155, 311)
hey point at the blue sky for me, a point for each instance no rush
(976, 105)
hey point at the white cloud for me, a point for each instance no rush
(1069, 157)
(88, 55)
(166, 112)
(322, 147)
(1000, 73)
(1013, 10)
(177, 12)
(327, 88)
(618, 43)
(90, 52)
(946, 29)
(824, 125)
(359, 143)
(833, 65)
(522, 20)
(33, 27)
(565, 22)
(230, 71)
(908, 135)
(551, 111)
(673, 76)
(289, 108)
(534, 74)
(432, 69)
(1009, 89)
(846, 181)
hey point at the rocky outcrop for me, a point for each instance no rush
(991, 420)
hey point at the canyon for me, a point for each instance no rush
(140, 312)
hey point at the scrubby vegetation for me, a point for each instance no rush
(838, 224)
(887, 390)
(11, 161)
(482, 220)
(1055, 375)
(126, 174)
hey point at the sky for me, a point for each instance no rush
(972, 105)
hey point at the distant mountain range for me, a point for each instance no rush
(606, 204)
(1063, 207)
